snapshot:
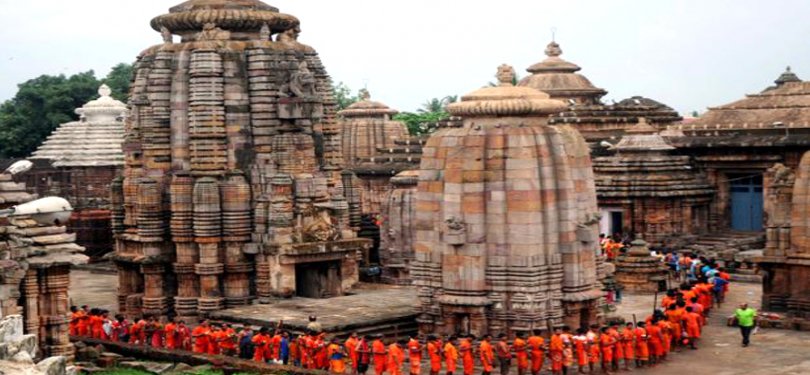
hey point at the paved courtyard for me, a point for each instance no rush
(772, 351)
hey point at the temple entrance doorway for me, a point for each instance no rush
(318, 279)
(612, 221)
(746, 202)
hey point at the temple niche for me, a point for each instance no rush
(233, 188)
(506, 236)
(78, 161)
(646, 190)
(37, 252)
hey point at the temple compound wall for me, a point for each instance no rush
(233, 188)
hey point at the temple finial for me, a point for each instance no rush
(506, 75)
(104, 90)
(553, 49)
(364, 94)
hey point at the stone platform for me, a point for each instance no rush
(369, 309)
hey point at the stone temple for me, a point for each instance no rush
(506, 236)
(233, 187)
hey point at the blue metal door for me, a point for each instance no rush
(746, 203)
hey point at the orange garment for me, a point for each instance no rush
(170, 330)
(536, 352)
(75, 319)
(666, 338)
(396, 356)
(137, 332)
(467, 358)
(213, 341)
(227, 341)
(96, 326)
(201, 338)
(415, 356)
(435, 358)
(487, 356)
(319, 349)
(337, 362)
(450, 357)
(643, 343)
(183, 338)
(260, 344)
(594, 351)
(83, 325)
(351, 349)
(607, 341)
(555, 349)
(519, 346)
(666, 301)
(655, 342)
(579, 347)
(627, 343)
(692, 322)
(618, 348)
(675, 317)
(378, 350)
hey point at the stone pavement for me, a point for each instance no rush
(772, 351)
(720, 353)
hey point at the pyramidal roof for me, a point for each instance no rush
(94, 140)
(559, 78)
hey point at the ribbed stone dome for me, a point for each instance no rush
(559, 78)
(505, 215)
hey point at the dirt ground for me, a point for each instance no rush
(771, 352)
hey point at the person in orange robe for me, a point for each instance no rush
(156, 337)
(465, 350)
(379, 354)
(536, 343)
(170, 332)
(692, 322)
(227, 340)
(434, 350)
(275, 353)
(594, 352)
(618, 348)
(521, 353)
(487, 355)
(674, 316)
(136, 331)
(183, 336)
(451, 355)
(76, 316)
(351, 350)
(84, 324)
(200, 335)
(642, 344)
(96, 323)
(337, 357)
(215, 337)
(665, 328)
(504, 354)
(396, 357)
(655, 342)
(415, 355)
(580, 344)
(261, 341)
(319, 350)
(555, 351)
(628, 343)
(607, 342)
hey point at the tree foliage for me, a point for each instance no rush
(344, 96)
(42, 103)
(427, 118)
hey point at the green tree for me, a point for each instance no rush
(344, 96)
(39, 106)
(43, 103)
(427, 118)
(118, 80)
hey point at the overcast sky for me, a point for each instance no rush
(689, 54)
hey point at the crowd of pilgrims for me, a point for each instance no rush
(677, 323)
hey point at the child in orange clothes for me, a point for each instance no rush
(396, 357)
(451, 355)
(520, 348)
